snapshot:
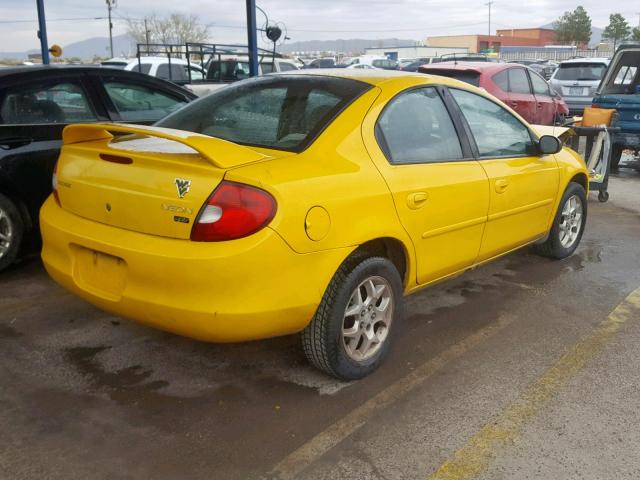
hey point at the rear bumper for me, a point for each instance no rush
(577, 104)
(251, 288)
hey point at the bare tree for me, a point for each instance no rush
(174, 28)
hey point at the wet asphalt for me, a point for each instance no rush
(85, 395)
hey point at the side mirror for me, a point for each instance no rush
(548, 145)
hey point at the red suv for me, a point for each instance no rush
(517, 86)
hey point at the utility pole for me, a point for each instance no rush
(146, 31)
(110, 4)
(42, 32)
(488, 4)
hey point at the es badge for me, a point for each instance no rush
(183, 186)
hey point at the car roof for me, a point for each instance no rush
(587, 60)
(371, 76)
(479, 67)
(16, 74)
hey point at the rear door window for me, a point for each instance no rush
(139, 103)
(56, 102)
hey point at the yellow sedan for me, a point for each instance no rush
(308, 202)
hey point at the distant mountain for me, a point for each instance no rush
(353, 45)
(123, 45)
(596, 34)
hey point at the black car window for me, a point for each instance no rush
(284, 112)
(518, 81)
(172, 72)
(55, 102)
(142, 68)
(286, 67)
(540, 86)
(266, 67)
(138, 103)
(415, 127)
(575, 71)
(497, 133)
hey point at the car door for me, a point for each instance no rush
(440, 192)
(135, 99)
(33, 113)
(523, 185)
(520, 97)
(545, 104)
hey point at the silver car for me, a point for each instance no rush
(577, 81)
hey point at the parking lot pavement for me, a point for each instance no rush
(518, 369)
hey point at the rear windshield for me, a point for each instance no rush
(581, 71)
(472, 78)
(285, 112)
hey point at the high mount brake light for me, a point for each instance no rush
(233, 210)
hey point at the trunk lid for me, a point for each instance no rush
(150, 180)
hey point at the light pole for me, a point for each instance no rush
(252, 37)
(488, 4)
(110, 4)
(42, 32)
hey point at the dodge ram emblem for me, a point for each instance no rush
(183, 186)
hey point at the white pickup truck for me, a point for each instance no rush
(222, 72)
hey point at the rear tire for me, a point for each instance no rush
(568, 224)
(11, 232)
(353, 328)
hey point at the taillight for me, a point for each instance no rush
(233, 210)
(54, 183)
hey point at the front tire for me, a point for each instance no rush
(11, 231)
(353, 328)
(568, 224)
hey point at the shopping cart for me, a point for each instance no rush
(593, 142)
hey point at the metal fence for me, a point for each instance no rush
(553, 54)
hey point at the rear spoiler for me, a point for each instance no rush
(220, 153)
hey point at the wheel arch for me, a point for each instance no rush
(389, 247)
(27, 221)
(581, 179)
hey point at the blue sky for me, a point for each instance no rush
(305, 19)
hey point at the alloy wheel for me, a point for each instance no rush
(570, 221)
(367, 318)
(6, 232)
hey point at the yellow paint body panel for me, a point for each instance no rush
(131, 258)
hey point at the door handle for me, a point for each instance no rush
(14, 142)
(417, 200)
(501, 185)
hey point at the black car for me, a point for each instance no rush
(36, 103)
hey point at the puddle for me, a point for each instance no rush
(124, 386)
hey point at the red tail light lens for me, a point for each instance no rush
(234, 210)
(54, 183)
